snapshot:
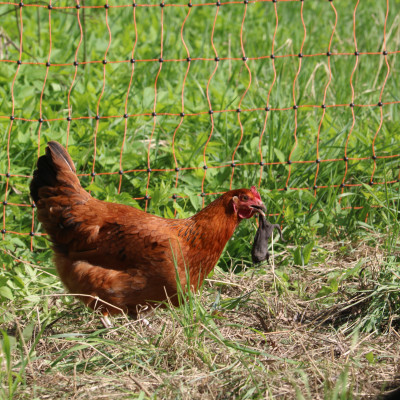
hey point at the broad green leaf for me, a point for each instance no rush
(27, 332)
(298, 259)
(370, 357)
(5, 291)
(307, 252)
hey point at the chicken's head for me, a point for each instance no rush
(247, 202)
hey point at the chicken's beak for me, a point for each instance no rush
(260, 208)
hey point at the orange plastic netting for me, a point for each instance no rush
(77, 8)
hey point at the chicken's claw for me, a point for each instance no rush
(106, 322)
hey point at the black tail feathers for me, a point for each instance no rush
(49, 166)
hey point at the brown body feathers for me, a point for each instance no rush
(120, 254)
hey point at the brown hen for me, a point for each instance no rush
(120, 254)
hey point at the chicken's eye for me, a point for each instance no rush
(245, 197)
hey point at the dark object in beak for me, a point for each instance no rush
(260, 209)
(259, 252)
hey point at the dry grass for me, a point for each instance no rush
(248, 335)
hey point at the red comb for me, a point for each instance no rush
(255, 192)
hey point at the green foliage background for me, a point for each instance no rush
(226, 89)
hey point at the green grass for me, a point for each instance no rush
(290, 333)
(322, 321)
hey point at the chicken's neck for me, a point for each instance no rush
(217, 221)
(207, 233)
